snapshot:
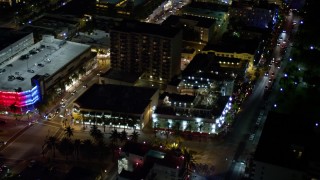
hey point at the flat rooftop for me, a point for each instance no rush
(131, 26)
(42, 61)
(116, 98)
(121, 76)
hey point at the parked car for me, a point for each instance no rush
(73, 92)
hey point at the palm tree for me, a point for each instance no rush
(77, 143)
(134, 136)
(93, 131)
(66, 147)
(104, 121)
(200, 127)
(189, 126)
(114, 142)
(98, 120)
(52, 143)
(168, 129)
(189, 157)
(68, 131)
(123, 136)
(114, 136)
(96, 133)
(176, 127)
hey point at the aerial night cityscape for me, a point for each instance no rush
(159, 90)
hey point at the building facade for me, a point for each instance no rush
(151, 49)
(41, 72)
(119, 106)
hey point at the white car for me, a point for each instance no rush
(73, 92)
(50, 116)
(63, 105)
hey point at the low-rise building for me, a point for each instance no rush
(143, 161)
(232, 47)
(117, 105)
(59, 26)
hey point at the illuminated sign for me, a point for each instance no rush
(20, 99)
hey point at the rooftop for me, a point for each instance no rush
(121, 76)
(177, 97)
(200, 21)
(96, 38)
(39, 60)
(235, 45)
(116, 98)
(207, 66)
(147, 28)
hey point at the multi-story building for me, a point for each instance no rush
(204, 27)
(201, 114)
(200, 101)
(9, 2)
(207, 10)
(253, 16)
(244, 49)
(276, 2)
(100, 42)
(62, 27)
(41, 71)
(12, 43)
(151, 49)
(210, 72)
(135, 9)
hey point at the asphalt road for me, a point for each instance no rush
(255, 104)
(26, 146)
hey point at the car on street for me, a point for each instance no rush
(73, 92)
(50, 116)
